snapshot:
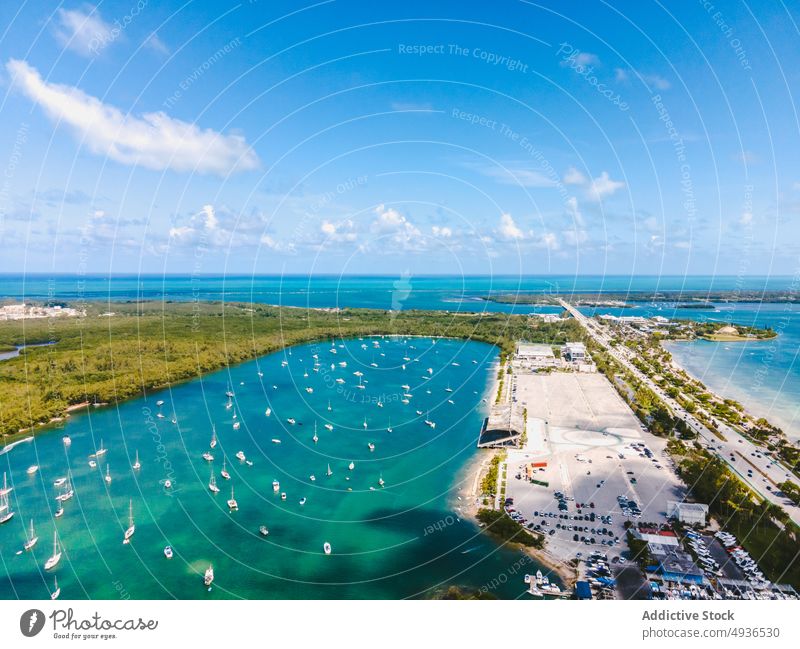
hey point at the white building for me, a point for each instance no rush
(689, 513)
(532, 355)
(575, 352)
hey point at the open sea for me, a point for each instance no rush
(403, 539)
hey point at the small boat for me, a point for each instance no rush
(5, 507)
(56, 589)
(326, 547)
(303, 500)
(260, 373)
(168, 551)
(131, 526)
(240, 456)
(451, 402)
(52, 562)
(365, 423)
(312, 477)
(208, 577)
(213, 441)
(268, 412)
(66, 439)
(237, 425)
(430, 423)
(229, 404)
(379, 404)
(310, 390)
(406, 387)
(168, 484)
(212, 484)
(100, 451)
(275, 440)
(136, 465)
(329, 472)
(32, 469)
(351, 466)
(448, 388)
(174, 420)
(208, 457)
(276, 486)
(67, 494)
(108, 474)
(92, 464)
(283, 495)
(340, 380)
(419, 412)
(232, 504)
(59, 482)
(360, 385)
(224, 472)
(329, 405)
(31, 540)
(405, 402)
(371, 446)
(329, 426)
(342, 363)
(160, 403)
(380, 481)
(59, 512)
(263, 530)
(291, 421)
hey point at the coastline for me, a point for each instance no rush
(751, 405)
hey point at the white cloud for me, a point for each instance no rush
(574, 211)
(153, 42)
(603, 186)
(574, 177)
(444, 232)
(277, 246)
(620, 75)
(508, 229)
(581, 58)
(746, 218)
(82, 30)
(390, 223)
(154, 140)
(341, 232)
(523, 177)
(658, 82)
(550, 241)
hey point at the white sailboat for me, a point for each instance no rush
(212, 483)
(365, 423)
(208, 577)
(371, 446)
(380, 481)
(136, 465)
(329, 427)
(131, 527)
(52, 562)
(232, 504)
(101, 451)
(352, 465)
(6, 489)
(224, 472)
(268, 412)
(56, 589)
(108, 474)
(208, 457)
(32, 538)
(5, 510)
(213, 441)
(329, 472)
(389, 428)
(32, 469)
(316, 437)
(329, 405)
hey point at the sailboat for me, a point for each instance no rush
(315, 438)
(360, 385)
(326, 547)
(212, 483)
(448, 388)
(389, 428)
(329, 426)
(5, 507)
(208, 457)
(365, 423)
(380, 481)
(213, 441)
(136, 465)
(56, 589)
(371, 446)
(32, 538)
(6, 489)
(224, 472)
(108, 474)
(428, 421)
(229, 403)
(68, 493)
(52, 562)
(268, 412)
(329, 405)
(329, 472)
(131, 527)
(208, 577)
(100, 451)
(352, 465)
(232, 504)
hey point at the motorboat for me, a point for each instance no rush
(240, 456)
(303, 500)
(168, 484)
(291, 420)
(263, 530)
(136, 465)
(208, 457)
(329, 426)
(371, 446)
(232, 504)
(268, 412)
(275, 440)
(351, 466)
(283, 495)
(32, 469)
(168, 551)
(276, 486)
(208, 577)
(326, 547)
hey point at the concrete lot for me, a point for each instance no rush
(580, 426)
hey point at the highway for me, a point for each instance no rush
(737, 451)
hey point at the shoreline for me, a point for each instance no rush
(751, 406)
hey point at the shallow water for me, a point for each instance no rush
(397, 541)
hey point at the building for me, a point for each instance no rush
(503, 427)
(575, 352)
(533, 356)
(688, 513)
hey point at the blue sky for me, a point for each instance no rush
(429, 137)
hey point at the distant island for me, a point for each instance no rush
(633, 299)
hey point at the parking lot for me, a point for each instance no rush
(602, 467)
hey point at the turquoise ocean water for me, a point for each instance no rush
(400, 540)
